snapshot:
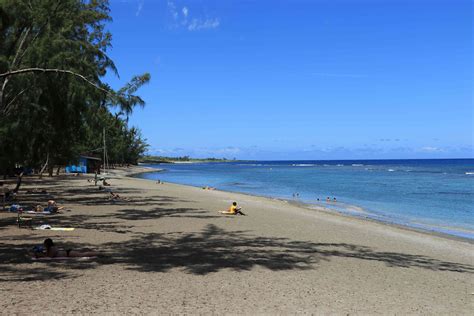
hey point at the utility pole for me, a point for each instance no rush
(104, 149)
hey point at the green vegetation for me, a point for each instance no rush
(162, 159)
(53, 104)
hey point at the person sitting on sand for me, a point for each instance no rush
(53, 207)
(51, 251)
(233, 210)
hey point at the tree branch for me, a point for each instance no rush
(39, 31)
(6, 109)
(46, 70)
(20, 47)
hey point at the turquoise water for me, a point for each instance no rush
(434, 195)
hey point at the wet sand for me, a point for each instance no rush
(168, 250)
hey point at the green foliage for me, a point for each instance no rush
(57, 115)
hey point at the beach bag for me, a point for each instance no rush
(14, 208)
(38, 249)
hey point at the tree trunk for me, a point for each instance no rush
(44, 167)
(18, 183)
(1, 94)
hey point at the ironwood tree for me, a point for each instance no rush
(53, 102)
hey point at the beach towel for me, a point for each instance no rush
(38, 213)
(67, 229)
(62, 258)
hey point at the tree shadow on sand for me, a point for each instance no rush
(209, 250)
(110, 222)
(214, 249)
(160, 212)
(17, 265)
(116, 222)
(60, 190)
(99, 198)
(101, 223)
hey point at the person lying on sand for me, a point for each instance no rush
(101, 188)
(36, 191)
(233, 210)
(51, 251)
(52, 207)
(116, 196)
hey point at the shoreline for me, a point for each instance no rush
(320, 208)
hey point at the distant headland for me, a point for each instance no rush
(184, 159)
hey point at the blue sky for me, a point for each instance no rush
(300, 79)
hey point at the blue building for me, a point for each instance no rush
(86, 164)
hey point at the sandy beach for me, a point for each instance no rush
(166, 249)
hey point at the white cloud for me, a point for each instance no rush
(228, 150)
(192, 22)
(203, 152)
(431, 149)
(337, 75)
(172, 9)
(316, 152)
(140, 7)
(197, 24)
(166, 151)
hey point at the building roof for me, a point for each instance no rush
(90, 157)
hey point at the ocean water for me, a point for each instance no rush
(434, 195)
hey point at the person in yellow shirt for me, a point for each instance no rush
(233, 210)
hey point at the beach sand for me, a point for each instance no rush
(168, 250)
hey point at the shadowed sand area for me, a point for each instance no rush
(167, 250)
